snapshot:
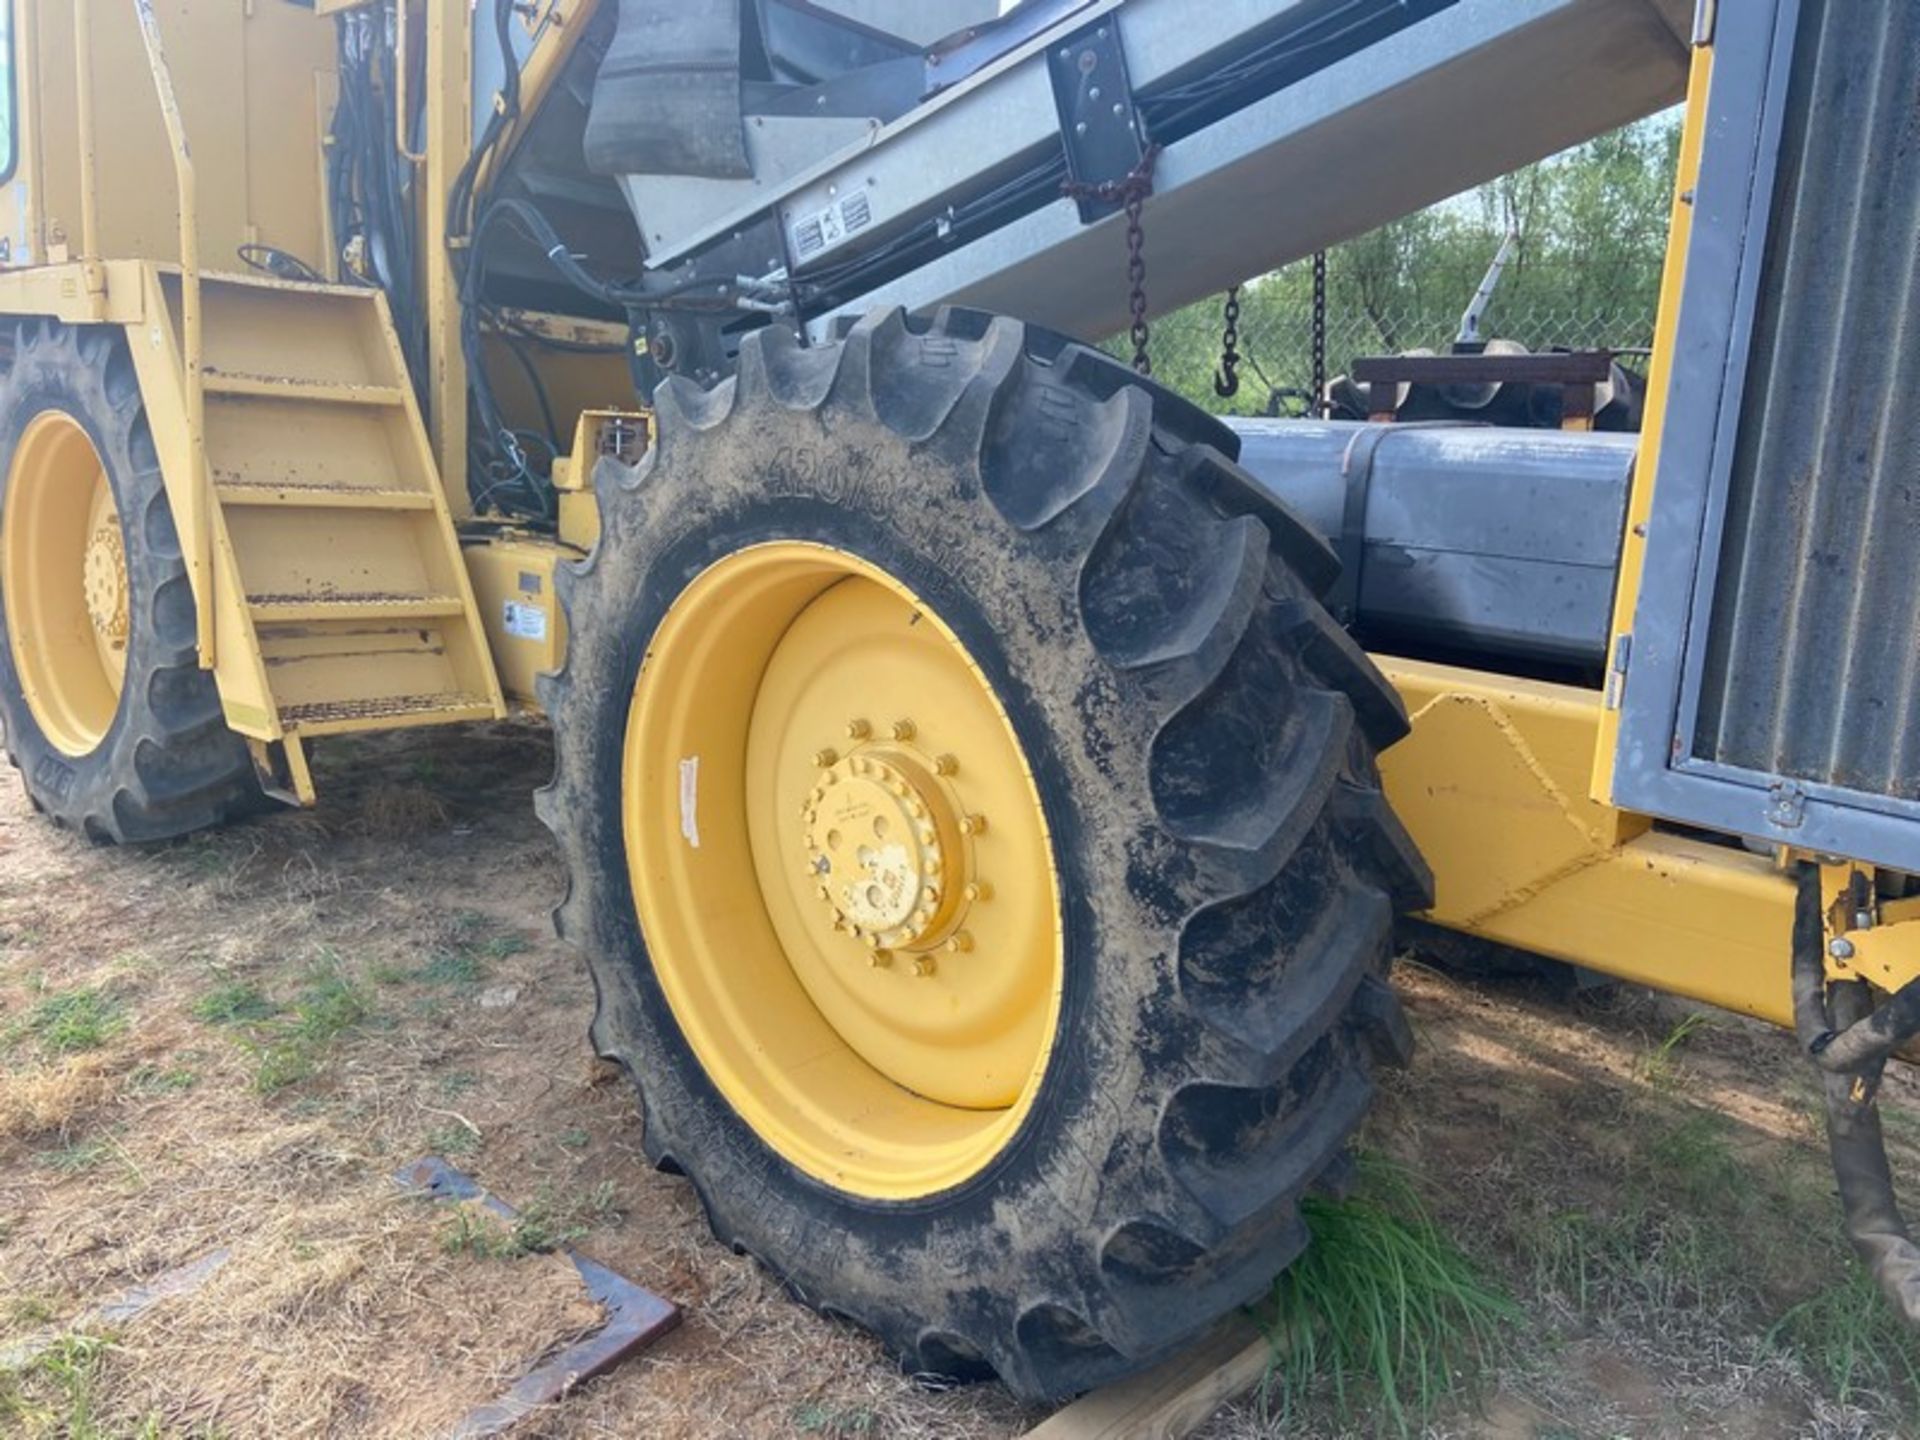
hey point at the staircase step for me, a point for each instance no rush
(274, 387)
(392, 712)
(297, 496)
(298, 609)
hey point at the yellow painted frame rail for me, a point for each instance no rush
(1493, 786)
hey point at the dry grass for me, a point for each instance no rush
(52, 1099)
(401, 813)
(285, 1014)
(345, 1315)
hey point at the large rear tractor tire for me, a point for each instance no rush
(975, 837)
(115, 729)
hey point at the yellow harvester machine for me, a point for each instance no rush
(989, 783)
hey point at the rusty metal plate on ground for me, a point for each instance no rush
(636, 1317)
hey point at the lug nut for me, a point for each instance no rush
(924, 966)
(960, 943)
(880, 960)
(946, 765)
(979, 890)
(973, 825)
(904, 730)
(823, 759)
(858, 729)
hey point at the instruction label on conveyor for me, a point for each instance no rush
(526, 622)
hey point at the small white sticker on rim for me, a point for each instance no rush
(690, 801)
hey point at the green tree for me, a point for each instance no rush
(1592, 227)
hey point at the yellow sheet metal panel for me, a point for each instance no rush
(1690, 918)
(1666, 336)
(246, 76)
(513, 581)
(61, 291)
(1491, 784)
(623, 435)
(580, 519)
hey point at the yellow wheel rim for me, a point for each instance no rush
(64, 567)
(842, 870)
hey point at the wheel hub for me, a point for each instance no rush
(812, 885)
(106, 582)
(63, 567)
(886, 839)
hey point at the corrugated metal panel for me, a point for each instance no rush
(1813, 657)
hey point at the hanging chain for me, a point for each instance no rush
(1132, 192)
(1226, 380)
(1318, 405)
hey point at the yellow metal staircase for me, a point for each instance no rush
(330, 588)
(340, 597)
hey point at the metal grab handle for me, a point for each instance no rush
(401, 68)
(200, 517)
(89, 169)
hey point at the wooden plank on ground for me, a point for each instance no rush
(1174, 1398)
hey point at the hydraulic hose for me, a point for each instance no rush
(1842, 1026)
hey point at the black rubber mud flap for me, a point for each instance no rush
(168, 764)
(1202, 737)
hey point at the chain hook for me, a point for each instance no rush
(1226, 380)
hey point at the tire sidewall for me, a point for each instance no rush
(35, 388)
(914, 519)
(86, 374)
(1147, 621)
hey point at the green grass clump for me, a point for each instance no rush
(291, 1046)
(474, 945)
(475, 1232)
(57, 1394)
(80, 1155)
(1660, 1066)
(1854, 1342)
(550, 1223)
(452, 967)
(235, 1003)
(153, 1080)
(69, 1022)
(836, 1421)
(1382, 1310)
(452, 1140)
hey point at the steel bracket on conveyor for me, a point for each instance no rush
(1100, 125)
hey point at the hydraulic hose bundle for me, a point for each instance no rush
(1851, 1041)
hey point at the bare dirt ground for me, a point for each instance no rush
(232, 1043)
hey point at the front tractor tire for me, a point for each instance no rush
(116, 731)
(974, 833)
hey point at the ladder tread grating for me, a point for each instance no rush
(281, 387)
(315, 716)
(296, 494)
(338, 605)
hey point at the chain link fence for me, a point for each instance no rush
(1563, 305)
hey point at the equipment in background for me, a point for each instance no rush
(1498, 383)
(1460, 540)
